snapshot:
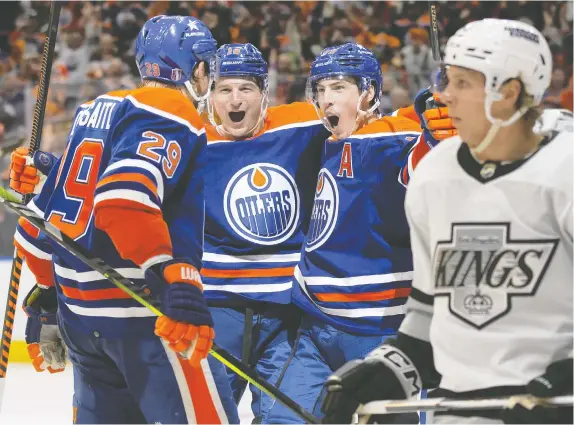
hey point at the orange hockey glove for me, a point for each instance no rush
(189, 341)
(187, 324)
(439, 122)
(27, 174)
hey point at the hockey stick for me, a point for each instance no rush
(434, 40)
(439, 404)
(37, 126)
(130, 288)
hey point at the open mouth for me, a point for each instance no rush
(333, 120)
(237, 116)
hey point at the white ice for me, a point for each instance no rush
(41, 398)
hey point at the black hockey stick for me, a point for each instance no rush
(130, 288)
(37, 126)
(433, 27)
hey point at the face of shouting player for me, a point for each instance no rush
(237, 104)
(337, 99)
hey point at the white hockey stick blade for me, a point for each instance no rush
(437, 404)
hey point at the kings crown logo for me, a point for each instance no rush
(481, 268)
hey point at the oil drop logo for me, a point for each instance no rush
(261, 203)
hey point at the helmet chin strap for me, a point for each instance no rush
(199, 99)
(363, 115)
(497, 124)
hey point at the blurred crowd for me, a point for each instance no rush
(95, 47)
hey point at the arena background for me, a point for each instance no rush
(95, 54)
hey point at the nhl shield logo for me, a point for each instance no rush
(261, 204)
(176, 74)
(481, 268)
(325, 211)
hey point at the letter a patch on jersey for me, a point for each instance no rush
(346, 167)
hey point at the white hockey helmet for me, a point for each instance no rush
(502, 49)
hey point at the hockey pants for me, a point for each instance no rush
(126, 381)
(272, 329)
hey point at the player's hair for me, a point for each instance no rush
(534, 112)
(164, 84)
(161, 84)
(357, 82)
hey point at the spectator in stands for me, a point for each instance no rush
(417, 59)
(566, 99)
(557, 84)
(400, 98)
(74, 54)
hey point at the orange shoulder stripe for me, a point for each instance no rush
(277, 116)
(292, 113)
(408, 112)
(169, 101)
(212, 134)
(389, 124)
(119, 93)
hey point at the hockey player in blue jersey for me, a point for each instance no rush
(356, 267)
(248, 266)
(129, 188)
(260, 172)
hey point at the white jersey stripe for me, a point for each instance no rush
(272, 258)
(238, 289)
(353, 313)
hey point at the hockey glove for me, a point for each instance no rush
(44, 341)
(555, 382)
(27, 175)
(187, 325)
(435, 121)
(385, 374)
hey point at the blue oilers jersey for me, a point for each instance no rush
(259, 196)
(356, 267)
(141, 150)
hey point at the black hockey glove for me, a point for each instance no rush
(555, 382)
(387, 373)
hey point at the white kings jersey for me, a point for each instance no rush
(492, 251)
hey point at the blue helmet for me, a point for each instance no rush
(240, 60)
(169, 47)
(349, 59)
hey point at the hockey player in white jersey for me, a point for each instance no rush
(490, 215)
